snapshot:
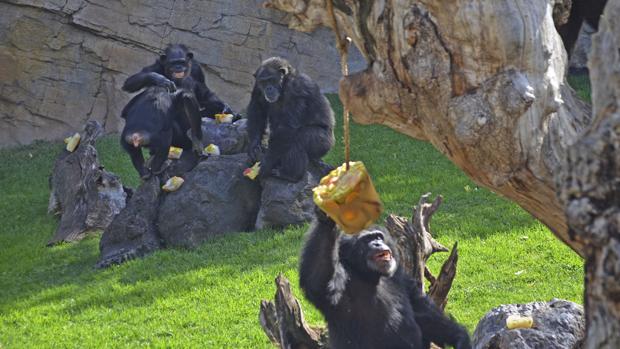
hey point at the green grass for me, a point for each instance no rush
(581, 84)
(209, 297)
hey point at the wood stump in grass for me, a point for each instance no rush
(283, 321)
(83, 193)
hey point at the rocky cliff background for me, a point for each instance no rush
(63, 62)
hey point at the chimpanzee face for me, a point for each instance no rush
(177, 62)
(368, 252)
(270, 81)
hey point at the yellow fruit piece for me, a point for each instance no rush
(224, 118)
(72, 142)
(349, 197)
(518, 321)
(174, 153)
(212, 149)
(252, 172)
(173, 184)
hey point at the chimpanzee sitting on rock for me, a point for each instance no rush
(156, 119)
(366, 298)
(300, 120)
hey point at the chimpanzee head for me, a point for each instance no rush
(368, 254)
(271, 77)
(177, 62)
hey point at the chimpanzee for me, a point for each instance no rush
(300, 119)
(156, 119)
(175, 64)
(365, 296)
(581, 10)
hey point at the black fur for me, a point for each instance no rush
(177, 58)
(156, 119)
(300, 120)
(369, 302)
(581, 10)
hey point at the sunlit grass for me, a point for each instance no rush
(209, 297)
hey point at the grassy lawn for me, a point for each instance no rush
(209, 297)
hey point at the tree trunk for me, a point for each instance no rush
(483, 81)
(589, 187)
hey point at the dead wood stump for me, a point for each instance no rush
(83, 193)
(283, 320)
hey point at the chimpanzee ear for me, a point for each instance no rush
(190, 55)
(162, 59)
(283, 71)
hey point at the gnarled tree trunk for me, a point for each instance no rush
(483, 81)
(589, 187)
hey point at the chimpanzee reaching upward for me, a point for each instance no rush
(366, 298)
(173, 66)
(300, 119)
(156, 119)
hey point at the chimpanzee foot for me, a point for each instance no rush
(278, 174)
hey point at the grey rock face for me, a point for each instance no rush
(214, 199)
(63, 62)
(230, 138)
(558, 324)
(284, 203)
(133, 233)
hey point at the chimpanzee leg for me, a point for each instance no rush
(159, 151)
(293, 164)
(191, 112)
(137, 159)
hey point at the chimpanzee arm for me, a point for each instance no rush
(152, 75)
(436, 327)
(316, 269)
(209, 101)
(257, 121)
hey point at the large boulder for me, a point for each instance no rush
(133, 233)
(215, 199)
(558, 324)
(231, 138)
(285, 203)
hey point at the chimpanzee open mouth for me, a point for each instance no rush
(383, 256)
(178, 75)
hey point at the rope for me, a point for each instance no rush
(343, 48)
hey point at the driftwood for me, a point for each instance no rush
(83, 193)
(283, 320)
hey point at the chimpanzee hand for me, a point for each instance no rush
(463, 343)
(162, 81)
(254, 151)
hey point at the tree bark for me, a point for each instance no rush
(483, 81)
(589, 187)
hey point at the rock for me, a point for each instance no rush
(558, 324)
(83, 193)
(133, 233)
(63, 62)
(579, 57)
(215, 199)
(285, 203)
(230, 138)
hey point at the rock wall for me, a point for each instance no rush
(63, 62)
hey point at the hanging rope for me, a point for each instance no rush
(343, 48)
